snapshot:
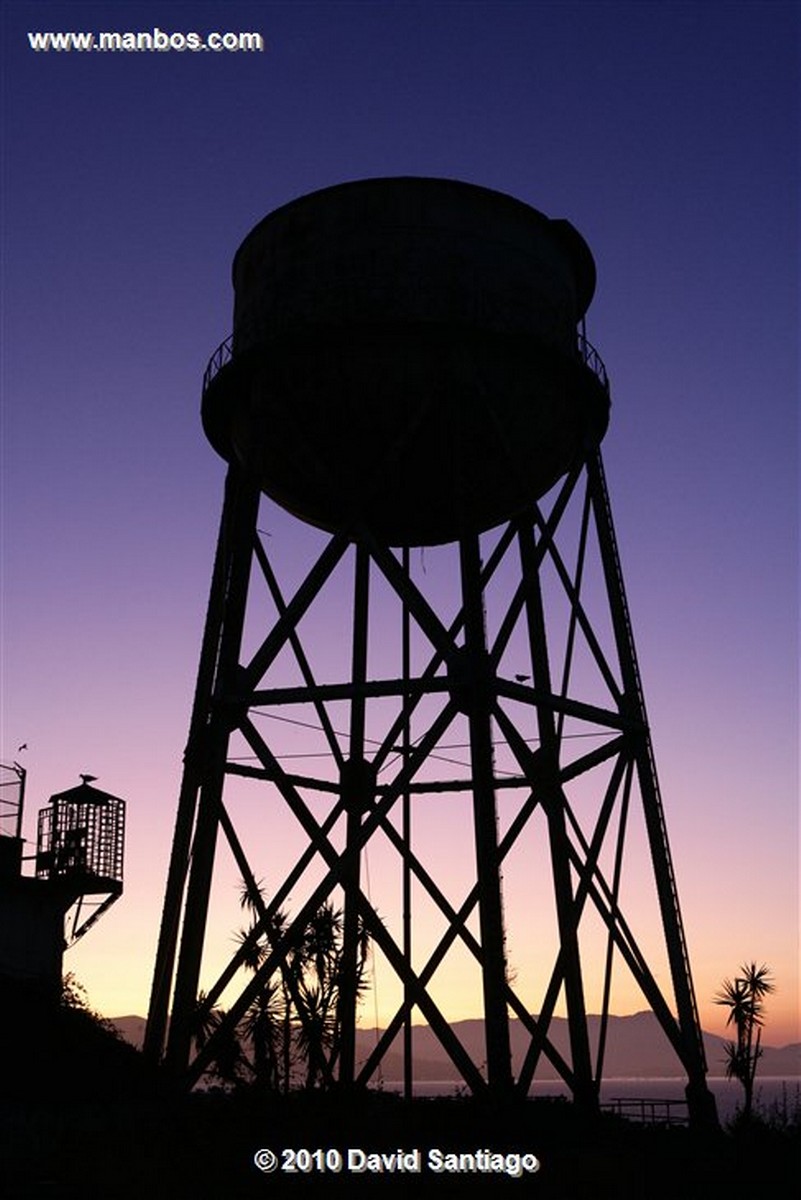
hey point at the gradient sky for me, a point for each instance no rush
(666, 132)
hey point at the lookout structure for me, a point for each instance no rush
(437, 723)
(78, 876)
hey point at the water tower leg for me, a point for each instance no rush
(552, 799)
(357, 796)
(478, 705)
(700, 1099)
(201, 786)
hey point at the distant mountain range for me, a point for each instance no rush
(636, 1049)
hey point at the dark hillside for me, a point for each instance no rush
(83, 1118)
(137, 1140)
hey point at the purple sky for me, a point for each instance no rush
(667, 133)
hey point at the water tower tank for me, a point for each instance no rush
(405, 357)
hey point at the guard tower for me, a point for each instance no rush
(435, 724)
(78, 877)
(79, 849)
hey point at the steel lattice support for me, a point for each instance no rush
(382, 725)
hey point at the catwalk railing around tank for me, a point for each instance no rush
(220, 358)
(592, 359)
(586, 352)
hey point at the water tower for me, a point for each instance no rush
(436, 725)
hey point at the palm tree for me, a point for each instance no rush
(262, 1027)
(295, 1018)
(267, 1024)
(228, 1056)
(325, 992)
(744, 997)
(322, 943)
(316, 1028)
